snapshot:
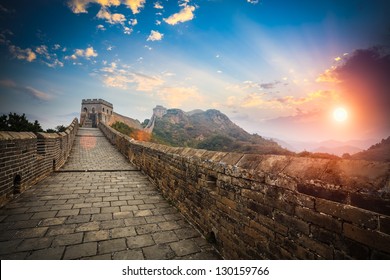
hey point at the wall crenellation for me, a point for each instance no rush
(26, 158)
(272, 207)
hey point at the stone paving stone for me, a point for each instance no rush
(52, 221)
(62, 207)
(8, 247)
(140, 241)
(102, 217)
(170, 225)
(42, 215)
(154, 219)
(112, 224)
(149, 228)
(113, 245)
(129, 255)
(142, 213)
(15, 256)
(47, 254)
(18, 217)
(35, 243)
(39, 209)
(123, 232)
(164, 237)
(123, 215)
(184, 247)
(62, 229)
(97, 235)
(78, 219)
(146, 206)
(104, 210)
(31, 232)
(158, 252)
(99, 257)
(24, 224)
(80, 250)
(82, 205)
(91, 226)
(185, 233)
(68, 239)
(135, 221)
(71, 212)
(129, 208)
(92, 210)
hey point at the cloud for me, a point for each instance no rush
(111, 18)
(80, 6)
(120, 77)
(87, 53)
(127, 30)
(252, 1)
(133, 22)
(101, 27)
(178, 96)
(184, 15)
(158, 5)
(22, 54)
(37, 94)
(155, 36)
(135, 5)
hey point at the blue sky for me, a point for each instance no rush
(259, 62)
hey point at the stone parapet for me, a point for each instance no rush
(26, 158)
(272, 207)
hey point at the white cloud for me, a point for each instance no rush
(184, 15)
(133, 22)
(135, 5)
(127, 30)
(158, 5)
(158, 22)
(80, 6)
(155, 36)
(87, 53)
(253, 1)
(120, 77)
(22, 54)
(56, 47)
(111, 18)
(26, 90)
(101, 27)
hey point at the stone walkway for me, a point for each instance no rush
(110, 212)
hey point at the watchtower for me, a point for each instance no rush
(94, 111)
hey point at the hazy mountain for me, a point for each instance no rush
(329, 146)
(339, 151)
(377, 152)
(211, 130)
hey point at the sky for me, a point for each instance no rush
(276, 68)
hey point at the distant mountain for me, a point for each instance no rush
(329, 146)
(338, 151)
(377, 152)
(211, 130)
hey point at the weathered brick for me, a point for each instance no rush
(369, 202)
(320, 219)
(370, 238)
(348, 213)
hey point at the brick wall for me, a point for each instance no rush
(26, 158)
(272, 207)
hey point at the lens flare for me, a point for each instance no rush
(340, 114)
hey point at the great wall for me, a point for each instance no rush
(247, 206)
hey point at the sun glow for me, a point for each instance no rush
(340, 114)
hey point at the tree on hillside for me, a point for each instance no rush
(15, 122)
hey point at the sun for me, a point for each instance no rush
(340, 114)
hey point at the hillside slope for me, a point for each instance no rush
(211, 130)
(377, 152)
